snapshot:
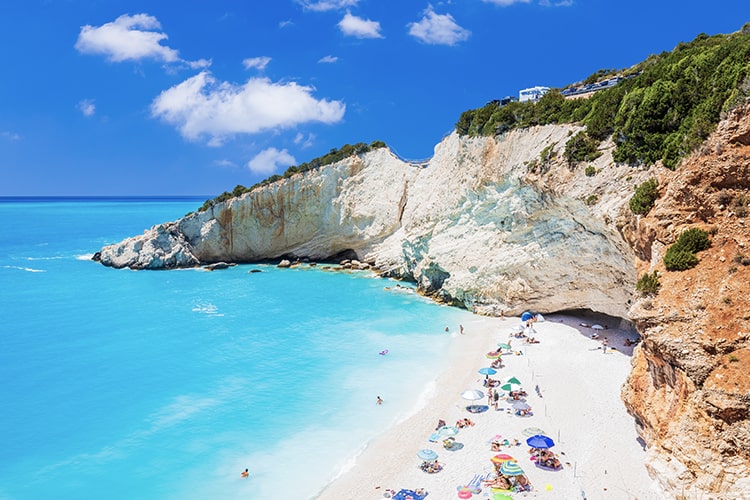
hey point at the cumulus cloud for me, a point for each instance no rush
(87, 107)
(224, 163)
(328, 59)
(267, 161)
(325, 5)
(202, 106)
(259, 63)
(505, 3)
(130, 38)
(361, 28)
(438, 29)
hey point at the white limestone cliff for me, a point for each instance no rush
(476, 226)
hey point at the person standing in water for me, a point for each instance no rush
(379, 401)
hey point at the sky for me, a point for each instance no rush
(193, 97)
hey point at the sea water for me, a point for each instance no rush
(168, 384)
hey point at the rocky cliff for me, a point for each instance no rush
(690, 385)
(503, 224)
(489, 224)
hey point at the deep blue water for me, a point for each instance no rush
(167, 384)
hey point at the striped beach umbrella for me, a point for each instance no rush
(502, 457)
(487, 371)
(512, 380)
(503, 345)
(511, 468)
(427, 454)
(532, 431)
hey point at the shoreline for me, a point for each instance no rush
(580, 409)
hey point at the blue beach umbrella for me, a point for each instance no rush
(527, 316)
(487, 371)
(448, 430)
(427, 454)
(540, 441)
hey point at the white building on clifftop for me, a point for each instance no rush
(532, 94)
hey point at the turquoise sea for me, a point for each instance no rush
(167, 384)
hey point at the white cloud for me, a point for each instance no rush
(284, 24)
(10, 136)
(87, 107)
(328, 59)
(202, 106)
(505, 3)
(267, 161)
(304, 141)
(325, 5)
(224, 163)
(130, 38)
(361, 28)
(438, 29)
(560, 3)
(256, 62)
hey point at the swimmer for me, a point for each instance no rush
(245, 473)
(379, 401)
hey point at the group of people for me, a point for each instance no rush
(464, 422)
(514, 483)
(545, 458)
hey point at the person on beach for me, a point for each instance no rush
(379, 401)
(496, 400)
(605, 343)
(245, 473)
(490, 396)
(461, 329)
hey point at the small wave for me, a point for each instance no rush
(27, 269)
(209, 309)
(44, 258)
(85, 256)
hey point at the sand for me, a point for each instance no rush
(579, 408)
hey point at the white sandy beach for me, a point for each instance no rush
(580, 409)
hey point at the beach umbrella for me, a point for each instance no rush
(510, 387)
(472, 395)
(503, 345)
(487, 371)
(512, 380)
(520, 405)
(540, 441)
(501, 496)
(533, 431)
(427, 454)
(448, 430)
(597, 327)
(493, 355)
(502, 457)
(527, 316)
(517, 329)
(511, 468)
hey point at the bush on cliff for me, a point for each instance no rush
(644, 198)
(648, 284)
(669, 107)
(681, 255)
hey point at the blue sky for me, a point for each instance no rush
(192, 97)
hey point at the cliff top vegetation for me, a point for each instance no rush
(332, 156)
(670, 105)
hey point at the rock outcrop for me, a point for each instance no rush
(690, 385)
(487, 224)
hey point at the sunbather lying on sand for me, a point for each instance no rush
(464, 422)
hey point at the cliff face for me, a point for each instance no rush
(486, 224)
(690, 384)
(495, 225)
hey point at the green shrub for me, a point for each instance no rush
(741, 205)
(693, 240)
(681, 255)
(679, 260)
(590, 171)
(648, 284)
(645, 196)
(581, 147)
(591, 199)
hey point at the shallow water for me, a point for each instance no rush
(167, 384)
